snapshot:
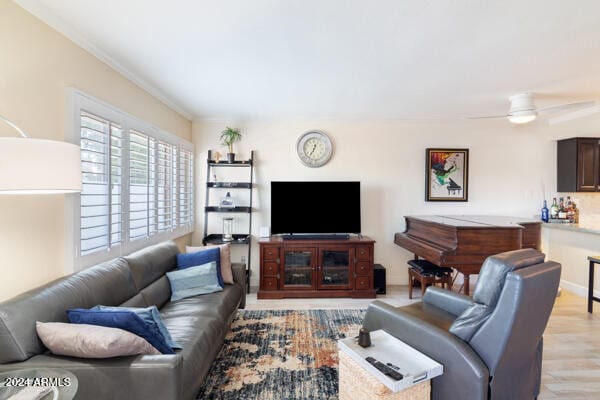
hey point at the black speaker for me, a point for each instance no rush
(379, 278)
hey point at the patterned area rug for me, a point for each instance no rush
(281, 355)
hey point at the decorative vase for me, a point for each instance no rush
(227, 201)
(230, 157)
(227, 229)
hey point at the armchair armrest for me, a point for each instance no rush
(239, 276)
(454, 303)
(465, 376)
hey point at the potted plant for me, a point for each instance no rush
(228, 137)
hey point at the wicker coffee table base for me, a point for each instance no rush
(356, 383)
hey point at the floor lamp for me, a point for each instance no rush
(38, 166)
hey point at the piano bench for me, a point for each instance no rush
(427, 273)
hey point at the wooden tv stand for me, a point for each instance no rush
(316, 268)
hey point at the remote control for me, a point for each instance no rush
(393, 366)
(385, 369)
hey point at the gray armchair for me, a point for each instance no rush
(490, 345)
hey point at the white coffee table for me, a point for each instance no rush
(358, 379)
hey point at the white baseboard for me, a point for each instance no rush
(577, 289)
(574, 288)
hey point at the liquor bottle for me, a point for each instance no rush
(545, 212)
(569, 209)
(562, 212)
(554, 209)
(574, 213)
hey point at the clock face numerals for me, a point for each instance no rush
(314, 148)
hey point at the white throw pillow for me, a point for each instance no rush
(224, 255)
(91, 341)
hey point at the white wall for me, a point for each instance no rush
(511, 170)
(571, 250)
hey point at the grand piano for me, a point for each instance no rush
(463, 242)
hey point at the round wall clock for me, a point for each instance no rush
(314, 148)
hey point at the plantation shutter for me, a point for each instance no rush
(166, 156)
(142, 201)
(101, 166)
(186, 201)
(174, 186)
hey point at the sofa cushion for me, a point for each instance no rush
(220, 305)
(194, 281)
(91, 341)
(200, 325)
(122, 319)
(157, 293)
(149, 264)
(202, 338)
(136, 301)
(109, 283)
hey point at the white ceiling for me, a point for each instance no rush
(348, 59)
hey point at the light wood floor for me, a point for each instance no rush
(571, 366)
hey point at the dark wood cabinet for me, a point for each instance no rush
(316, 268)
(578, 165)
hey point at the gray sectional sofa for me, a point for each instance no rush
(199, 324)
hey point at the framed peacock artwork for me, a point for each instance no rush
(447, 175)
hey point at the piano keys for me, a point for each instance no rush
(463, 242)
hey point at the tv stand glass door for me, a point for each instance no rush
(299, 268)
(333, 269)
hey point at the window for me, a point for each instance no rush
(137, 183)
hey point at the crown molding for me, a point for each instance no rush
(41, 12)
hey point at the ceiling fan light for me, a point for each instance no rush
(522, 117)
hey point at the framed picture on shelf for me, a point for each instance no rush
(447, 174)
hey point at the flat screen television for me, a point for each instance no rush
(315, 207)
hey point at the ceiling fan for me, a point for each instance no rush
(523, 110)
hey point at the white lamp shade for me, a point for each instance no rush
(39, 166)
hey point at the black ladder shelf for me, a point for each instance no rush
(238, 239)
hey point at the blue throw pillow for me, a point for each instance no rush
(150, 315)
(194, 281)
(186, 260)
(122, 319)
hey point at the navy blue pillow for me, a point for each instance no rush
(149, 315)
(186, 260)
(122, 319)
